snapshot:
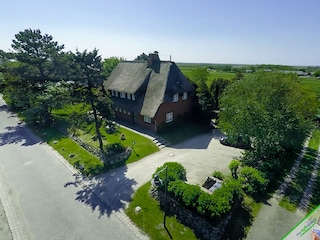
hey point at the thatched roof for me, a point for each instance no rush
(152, 86)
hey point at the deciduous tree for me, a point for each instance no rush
(272, 110)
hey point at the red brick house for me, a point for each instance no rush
(150, 93)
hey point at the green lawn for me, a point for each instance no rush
(150, 218)
(141, 146)
(312, 83)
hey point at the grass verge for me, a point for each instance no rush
(296, 190)
(240, 223)
(150, 218)
(71, 151)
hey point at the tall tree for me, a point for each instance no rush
(216, 89)
(89, 80)
(272, 110)
(37, 50)
(30, 66)
(109, 64)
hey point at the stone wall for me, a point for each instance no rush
(203, 227)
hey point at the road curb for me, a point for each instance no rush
(14, 222)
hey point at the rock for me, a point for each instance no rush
(55, 142)
(71, 155)
(138, 209)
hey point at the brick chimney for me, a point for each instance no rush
(152, 58)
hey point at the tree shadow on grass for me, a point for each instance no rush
(18, 134)
(236, 228)
(105, 193)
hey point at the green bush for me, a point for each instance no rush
(213, 206)
(175, 172)
(114, 148)
(224, 198)
(252, 180)
(233, 166)
(204, 204)
(218, 174)
(190, 195)
(183, 192)
(176, 188)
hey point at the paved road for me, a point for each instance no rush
(50, 202)
(41, 199)
(273, 222)
(5, 233)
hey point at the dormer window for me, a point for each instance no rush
(185, 96)
(175, 97)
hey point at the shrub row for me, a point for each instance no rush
(175, 171)
(213, 206)
(252, 180)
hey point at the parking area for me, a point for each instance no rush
(200, 156)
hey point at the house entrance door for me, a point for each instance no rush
(134, 117)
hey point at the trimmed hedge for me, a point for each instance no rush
(175, 172)
(252, 180)
(218, 174)
(213, 206)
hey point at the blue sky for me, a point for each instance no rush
(201, 31)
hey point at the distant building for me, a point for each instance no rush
(150, 93)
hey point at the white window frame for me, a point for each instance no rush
(133, 97)
(146, 119)
(175, 97)
(116, 94)
(128, 96)
(120, 110)
(112, 92)
(169, 117)
(185, 96)
(116, 109)
(124, 111)
(122, 94)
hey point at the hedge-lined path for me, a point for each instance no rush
(289, 178)
(273, 221)
(309, 190)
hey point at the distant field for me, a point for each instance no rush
(186, 68)
(312, 83)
